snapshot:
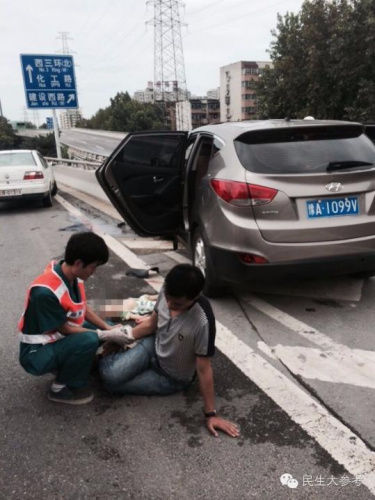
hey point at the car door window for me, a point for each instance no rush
(147, 171)
(149, 151)
(198, 169)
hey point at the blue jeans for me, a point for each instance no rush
(136, 371)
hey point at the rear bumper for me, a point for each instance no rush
(27, 196)
(232, 270)
(33, 191)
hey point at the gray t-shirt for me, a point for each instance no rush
(179, 340)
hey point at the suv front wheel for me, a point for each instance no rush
(202, 259)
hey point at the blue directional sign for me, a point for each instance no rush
(49, 122)
(49, 81)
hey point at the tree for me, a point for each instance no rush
(45, 144)
(8, 139)
(323, 63)
(125, 115)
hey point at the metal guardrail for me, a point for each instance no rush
(85, 165)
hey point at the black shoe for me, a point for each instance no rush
(71, 396)
(142, 273)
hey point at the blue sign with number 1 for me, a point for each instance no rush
(49, 81)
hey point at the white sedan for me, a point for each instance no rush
(26, 174)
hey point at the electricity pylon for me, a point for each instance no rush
(169, 66)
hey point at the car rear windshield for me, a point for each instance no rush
(16, 159)
(304, 149)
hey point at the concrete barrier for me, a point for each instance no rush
(78, 178)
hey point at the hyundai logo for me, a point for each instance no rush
(334, 187)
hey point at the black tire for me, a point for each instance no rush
(202, 259)
(54, 189)
(47, 200)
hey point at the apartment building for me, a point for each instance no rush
(196, 112)
(152, 93)
(238, 90)
(69, 118)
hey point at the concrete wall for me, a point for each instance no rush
(83, 180)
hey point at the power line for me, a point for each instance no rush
(237, 18)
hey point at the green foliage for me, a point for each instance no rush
(8, 139)
(30, 125)
(323, 63)
(125, 115)
(45, 144)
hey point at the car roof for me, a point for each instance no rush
(231, 130)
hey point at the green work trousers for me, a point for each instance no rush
(70, 358)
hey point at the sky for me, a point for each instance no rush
(113, 48)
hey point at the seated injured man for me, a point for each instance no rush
(172, 345)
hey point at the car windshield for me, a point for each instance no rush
(16, 159)
(303, 150)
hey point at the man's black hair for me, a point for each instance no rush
(88, 247)
(184, 280)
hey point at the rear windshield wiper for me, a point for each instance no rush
(340, 165)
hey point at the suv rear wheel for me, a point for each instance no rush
(202, 259)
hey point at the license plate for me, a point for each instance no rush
(332, 207)
(10, 192)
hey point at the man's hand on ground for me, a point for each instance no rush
(219, 423)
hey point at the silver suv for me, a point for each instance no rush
(254, 200)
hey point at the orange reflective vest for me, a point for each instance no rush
(75, 311)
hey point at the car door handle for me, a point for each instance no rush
(157, 179)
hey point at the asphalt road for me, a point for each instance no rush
(154, 447)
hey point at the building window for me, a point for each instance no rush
(247, 97)
(250, 71)
(248, 84)
(248, 110)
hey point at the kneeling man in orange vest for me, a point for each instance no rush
(59, 332)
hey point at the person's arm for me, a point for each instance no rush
(146, 327)
(206, 385)
(96, 320)
(67, 329)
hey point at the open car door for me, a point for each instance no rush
(143, 180)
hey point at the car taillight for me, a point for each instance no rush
(232, 192)
(260, 195)
(33, 174)
(250, 258)
(241, 193)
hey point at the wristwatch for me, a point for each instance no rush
(209, 414)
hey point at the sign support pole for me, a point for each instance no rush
(56, 131)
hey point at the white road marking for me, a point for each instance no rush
(177, 257)
(262, 346)
(357, 362)
(147, 244)
(315, 364)
(342, 444)
(118, 248)
(337, 288)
